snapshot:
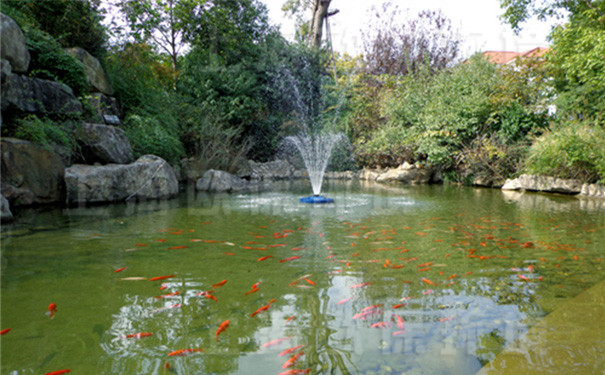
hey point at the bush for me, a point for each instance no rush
(570, 150)
(46, 132)
(148, 135)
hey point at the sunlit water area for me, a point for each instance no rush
(386, 280)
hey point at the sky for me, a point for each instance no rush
(477, 21)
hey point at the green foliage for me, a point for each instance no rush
(72, 23)
(48, 59)
(570, 150)
(46, 132)
(577, 64)
(148, 135)
(516, 12)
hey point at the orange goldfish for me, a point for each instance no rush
(275, 342)
(58, 372)
(177, 247)
(292, 360)
(399, 321)
(168, 295)
(290, 258)
(290, 350)
(119, 270)
(161, 277)
(5, 331)
(264, 258)
(360, 285)
(221, 328)
(252, 291)
(52, 309)
(381, 325)
(183, 352)
(139, 335)
(220, 283)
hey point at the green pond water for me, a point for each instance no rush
(389, 280)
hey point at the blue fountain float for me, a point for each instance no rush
(315, 150)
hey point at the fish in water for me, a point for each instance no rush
(119, 270)
(52, 309)
(292, 360)
(58, 372)
(220, 283)
(264, 258)
(290, 350)
(290, 258)
(139, 335)
(5, 331)
(295, 371)
(275, 342)
(221, 328)
(183, 352)
(161, 277)
(264, 308)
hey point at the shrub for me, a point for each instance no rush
(570, 150)
(46, 132)
(148, 135)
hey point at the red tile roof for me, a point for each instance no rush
(505, 57)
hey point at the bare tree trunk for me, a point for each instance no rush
(320, 11)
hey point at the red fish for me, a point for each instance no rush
(252, 291)
(298, 248)
(220, 283)
(139, 335)
(290, 258)
(399, 321)
(119, 270)
(381, 325)
(309, 281)
(183, 352)
(292, 360)
(522, 277)
(275, 342)
(342, 301)
(161, 277)
(295, 371)
(5, 331)
(360, 285)
(264, 258)
(168, 295)
(398, 332)
(221, 328)
(264, 308)
(398, 305)
(52, 309)
(58, 372)
(290, 350)
(290, 318)
(373, 307)
(428, 281)
(177, 247)
(277, 245)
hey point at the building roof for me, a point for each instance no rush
(506, 57)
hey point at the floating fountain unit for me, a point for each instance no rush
(315, 150)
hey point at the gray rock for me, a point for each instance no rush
(104, 144)
(30, 174)
(36, 95)
(273, 170)
(94, 71)
(346, 175)
(12, 44)
(5, 71)
(369, 174)
(550, 184)
(513, 184)
(106, 109)
(149, 177)
(221, 181)
(593, 190)
(5, 211)
(407, 174)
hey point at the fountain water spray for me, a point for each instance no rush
(315, 150)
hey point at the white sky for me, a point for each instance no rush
(477, 21)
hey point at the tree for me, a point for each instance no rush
(517, 12)
(161, 22)
(394, 47)
(310, 30)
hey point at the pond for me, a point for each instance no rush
(387, 280)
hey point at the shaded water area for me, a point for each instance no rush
(387, 280)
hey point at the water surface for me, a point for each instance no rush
(389, 280)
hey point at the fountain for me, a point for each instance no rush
(315, 150)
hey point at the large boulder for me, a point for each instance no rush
(593, 190)
(543, 183)
(94, 71)
(30, 174)
(221, 181)
(36, 95)
(149, 177)
(104, 144)
(407, 174)
(5, 211)
(12, 44)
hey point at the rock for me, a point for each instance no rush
(5, 212)
(104, 144)
(30, 173)
(12, 44)
(273, 170)
(36, 95)
(369, 174)
(106, 109)
(221, 181)
(513, 184)
(94, 71)
(300, 174)
(5, 71)
(550, 184)
(346, 175)
(408, 174)
(593, 190)
(149, 177)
